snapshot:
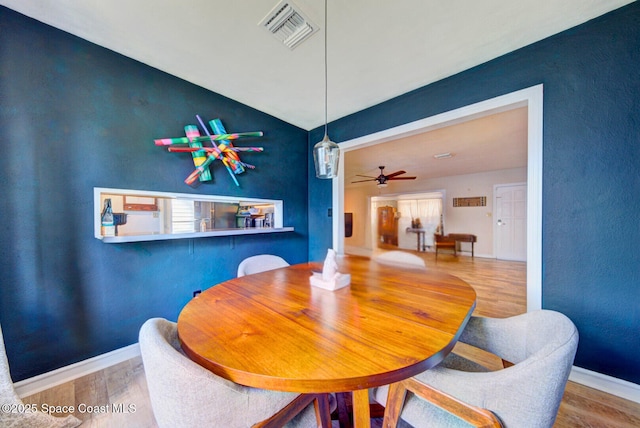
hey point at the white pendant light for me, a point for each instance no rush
(326, 153)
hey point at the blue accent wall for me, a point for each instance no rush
(74, 116)
(591, 172)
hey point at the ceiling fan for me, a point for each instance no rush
(382, 178)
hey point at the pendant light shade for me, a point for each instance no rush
(326, 153)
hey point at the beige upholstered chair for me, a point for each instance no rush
(400, 258)
(184, 394)
(540, 345)
(260, 263)
(16, 417)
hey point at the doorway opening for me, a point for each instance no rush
(532, 98)
(410, 212)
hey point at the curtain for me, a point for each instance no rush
(428, 211)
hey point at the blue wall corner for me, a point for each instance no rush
(320, 199)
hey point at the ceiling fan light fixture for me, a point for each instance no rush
(382, 179)
(326, 153)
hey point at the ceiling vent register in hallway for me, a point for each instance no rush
(288, 24)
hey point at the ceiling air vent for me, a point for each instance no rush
(287, 24)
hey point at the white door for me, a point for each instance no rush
(510, 229)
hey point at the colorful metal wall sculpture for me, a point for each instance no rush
(222, 149)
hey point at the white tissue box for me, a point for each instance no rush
(341, 280)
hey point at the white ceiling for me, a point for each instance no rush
(494, 142)
(376, 49)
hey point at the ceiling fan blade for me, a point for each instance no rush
(401, 178)
(362, 181)
(393, 174)
(368, 176)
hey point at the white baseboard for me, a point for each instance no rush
(610, 385)
(42, 382)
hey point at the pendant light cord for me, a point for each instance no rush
(326, 85)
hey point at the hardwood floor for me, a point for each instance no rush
(501, 289)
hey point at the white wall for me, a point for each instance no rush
(478, 221)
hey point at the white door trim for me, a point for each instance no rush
(530, 97)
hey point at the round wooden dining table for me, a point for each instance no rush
(273, 330)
